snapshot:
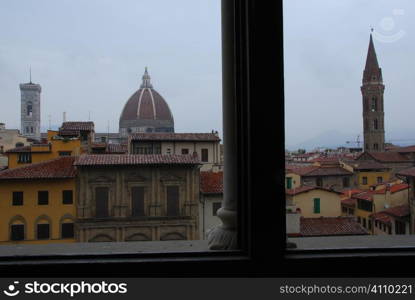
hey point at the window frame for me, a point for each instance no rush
(252, 71)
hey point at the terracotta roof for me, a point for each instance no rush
(349, 202)
(135, 159)
(77, 126)
(407, 149)
(350, 192)
(322, 171)
(394, 188)
(390, 156)
(190, 137)
(369, 165)
(302, 170)
(305, 188)
(211, 182)
(367, 195)
(410, 172)
(327, 226)
(61, 167)
(399, 211)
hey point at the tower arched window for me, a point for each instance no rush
(374, 104)
(375, 146)
(29, 109)
(375, 124)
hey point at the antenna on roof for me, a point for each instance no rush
(30, 74)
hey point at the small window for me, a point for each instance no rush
(319, 181)
(17, 198)
(43, 231)
(25, 158)
(27, 129)
(65, 153)
(369, 224)
(17, 232)
(168, 151)
(101, 202)
(375, 124)
(289, 182)
(364, 180)
(379, 179)
(137, 201)
(103, 139)
(215, 207)
(67, 197)
(185, 151)
(205, 155)
(31, 129)
(316, 205)
(1, 149)
(364, 222)
(374, 106)
(19, 145)
(67, 230)
(43, 198)
(375, 146)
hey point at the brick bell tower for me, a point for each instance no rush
(372, 93)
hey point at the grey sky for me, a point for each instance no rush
(325, 48)
(89, 55)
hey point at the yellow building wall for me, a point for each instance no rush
(30, 210)
(296, 180)
(371, 178)
(57, 146)
(330, 203)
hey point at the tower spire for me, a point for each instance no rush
(372, 70)
(146, 80)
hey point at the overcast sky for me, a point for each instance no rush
(326, 44)
(89, 56)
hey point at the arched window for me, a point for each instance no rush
(375, 124)
(17, 229)
(29, 109)
(374, 104)
(375, 146)
(42, 228)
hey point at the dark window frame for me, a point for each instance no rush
(41, 235)
(43, 198)
(66, 197)
(64, 232)
(251, 65)
(17, 200)
(15, 226)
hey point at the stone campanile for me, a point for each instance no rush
(30, 110)
(372, 93)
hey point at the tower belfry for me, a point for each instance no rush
(373, 110)
(30, 109)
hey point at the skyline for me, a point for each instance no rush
(91, 60)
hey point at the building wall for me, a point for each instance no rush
(121, 225)
(30, 210)
(10, 137)
(208, 218)
(330, 203)
(371, 178)
(44, 152)
(295, 180)
(334, 181)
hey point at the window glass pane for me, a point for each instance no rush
(137, 201)
(43, 231)
(67, 230)
(17, 232)
(172, 200)
(67, 197)
(43, 198)
(101, 202)
(17, 198)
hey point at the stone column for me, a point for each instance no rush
(224, 237)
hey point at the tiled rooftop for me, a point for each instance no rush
(211, 182)
(78, 126)
(190, 137)
(305, 188)
(385, 156)
(330, 226)
(135, 159)
(57, 168)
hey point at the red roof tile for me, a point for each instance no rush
(390, 156)
(399, 211)
(58, 168)
(135, 159)
(410, 172)
(301, 170)
(78, 126)
(116, 148)
(322, 171)
(382, 217)
(407, 149)
(328, 226)
(349, 202)
(305, 188)
(211, 182)
(191, 137)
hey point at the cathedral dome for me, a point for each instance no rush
(146, 111)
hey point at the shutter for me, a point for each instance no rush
(172, 200)
(101, 202)
(137, 195)
(289, 182)
(316, 205)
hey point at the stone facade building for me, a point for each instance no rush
(137, 198)
(373, 111)
(30, 110)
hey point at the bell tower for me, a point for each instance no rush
(372, 95)
(30, 109)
